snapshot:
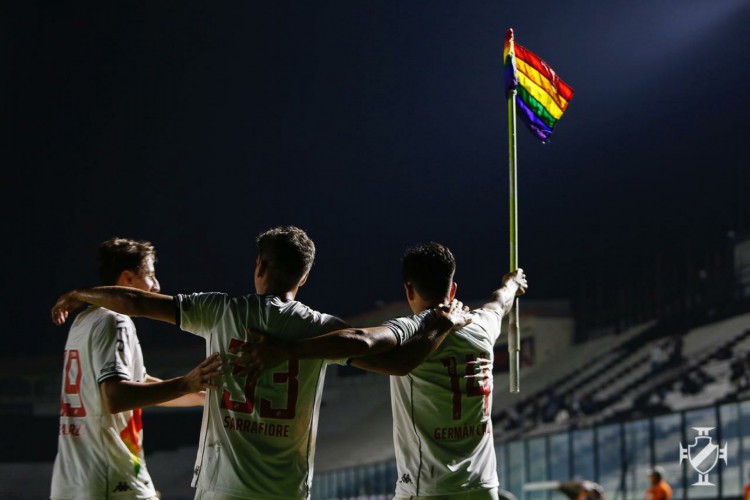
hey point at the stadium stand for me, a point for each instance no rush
(622, 384)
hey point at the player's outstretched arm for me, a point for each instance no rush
(121, 299)
(413, 351)
(263, 353)
(514, 285)
(192, 399)
(121, 395)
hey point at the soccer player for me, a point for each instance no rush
(582, 490)
(105, 385)
(258, 439)
(659, 489)
(442, 404)
(574, 490)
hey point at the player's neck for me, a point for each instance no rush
(282, 294)
(418, 305)
(264, 288)
(264, 285)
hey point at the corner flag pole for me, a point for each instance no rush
(541, 117)
(514, 337)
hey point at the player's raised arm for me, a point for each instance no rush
(130, 301)
(514, 285)
(425, 330)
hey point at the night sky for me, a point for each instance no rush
(373, 125)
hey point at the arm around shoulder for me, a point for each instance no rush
(124, 300)
(423, 341)
(262, 353)
(378, 349)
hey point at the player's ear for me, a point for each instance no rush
(261, 266)
(126, 278)
(409, 289)
(304, 279)
(452, 293)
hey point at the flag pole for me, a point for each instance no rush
(514, 340)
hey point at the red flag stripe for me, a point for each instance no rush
(542, 67)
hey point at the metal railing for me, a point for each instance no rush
(617, 456)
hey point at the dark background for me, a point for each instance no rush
(373, 125)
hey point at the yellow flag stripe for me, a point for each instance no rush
(539, 94)
(541, 81)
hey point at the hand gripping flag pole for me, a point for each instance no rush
(542, 97)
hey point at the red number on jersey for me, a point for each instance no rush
(245, 406)
(450, 363)
(288, 377)
(474, 387)
(71, 404)
(478, 384)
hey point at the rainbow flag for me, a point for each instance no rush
(541, 96)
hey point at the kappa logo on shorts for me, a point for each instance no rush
(121, 486)
(406, 479)
(197, 470)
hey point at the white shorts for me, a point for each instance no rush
(491, 494)
(201, 494)
(55, 498)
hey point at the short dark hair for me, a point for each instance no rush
(121, 254)
(429, 268)
(657, 472)
(289, 253)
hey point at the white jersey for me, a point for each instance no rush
(258, 440)
(442, 414)
(99, 454)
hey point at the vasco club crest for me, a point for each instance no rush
(703, 455)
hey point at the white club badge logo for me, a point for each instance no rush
(703, 455)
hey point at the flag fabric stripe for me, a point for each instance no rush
(541, 96)
(532, 74)
(536, 107)
(540, 129)
(509, 58)
(506, 52)
(511, 81)
(533, 60)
